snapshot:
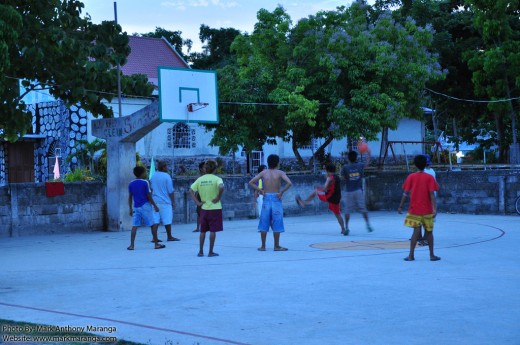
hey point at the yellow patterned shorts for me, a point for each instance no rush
(415, 221)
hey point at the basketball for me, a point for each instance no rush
(362, 147)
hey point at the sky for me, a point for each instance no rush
(143, 16)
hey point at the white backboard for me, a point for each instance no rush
(180, 87)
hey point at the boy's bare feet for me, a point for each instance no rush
(299, 201)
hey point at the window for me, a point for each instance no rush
(181, 136)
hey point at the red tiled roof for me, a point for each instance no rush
(149, 53)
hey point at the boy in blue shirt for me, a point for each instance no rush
(140, 197)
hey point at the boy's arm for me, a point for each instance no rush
(367, 162)
(220, 192)
(327, 183)
(253, 184)
(434, 203)
(403, 199)
(172, 198)
(130, 204)
(151, 201)
(288, 184)
(194, 197)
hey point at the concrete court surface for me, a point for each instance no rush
(327, 289)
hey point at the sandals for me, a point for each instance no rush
(280, 249)
(408, 259)
(160, 246)
(435, 258)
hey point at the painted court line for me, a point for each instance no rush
(125, 323)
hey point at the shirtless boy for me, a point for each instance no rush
(272, 211)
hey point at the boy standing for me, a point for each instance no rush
(201, 172)
(272, 211)
(421, 188)
(162, 187)
(354, 199)
(330, 193)
(210, 188)
(139, 192)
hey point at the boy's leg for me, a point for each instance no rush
(369, 228)
(212, 237)
(132, 238)
(202, 238)
(263, 237)
(413, 243)
(155, 238)
(277, 247)
(340, 221)
(429, 237)
(310, 197)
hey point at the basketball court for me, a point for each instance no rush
(327, 289)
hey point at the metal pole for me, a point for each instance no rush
(118, 70)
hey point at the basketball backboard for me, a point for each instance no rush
(188, 95)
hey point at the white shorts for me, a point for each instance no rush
(165, 214)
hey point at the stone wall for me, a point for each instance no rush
(25, 210)
(473, 192)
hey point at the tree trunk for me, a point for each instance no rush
(297, 155)
(499, 122)
(384, 142)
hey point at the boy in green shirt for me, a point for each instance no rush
(210, 189)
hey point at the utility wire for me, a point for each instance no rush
(473, 100)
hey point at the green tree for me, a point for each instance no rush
(174, 38)
(48, 45)
(496, 65)
(217, 48)
(337, 73)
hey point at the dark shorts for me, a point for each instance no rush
(211, 220)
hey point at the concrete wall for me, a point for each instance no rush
(25, 210)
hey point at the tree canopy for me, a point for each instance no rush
(49, 45)
(338, 73)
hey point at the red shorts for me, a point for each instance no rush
(334, 208)
(211, 220)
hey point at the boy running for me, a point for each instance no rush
(330, 193)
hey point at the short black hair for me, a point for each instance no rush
(272, 161)
(210, 166)
(330, 168)
(420, 162)
(352, 156)
(162, 166)
(201, 165)
(139, 171)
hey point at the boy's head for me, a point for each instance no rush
(210, 166)
(428, 159)
(139, 171)
(273, 161)
(201, 167)
(162, 166)
(330, 168)
(420, 162)
(261, 168)
(352, 156)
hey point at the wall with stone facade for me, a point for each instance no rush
(25, 210)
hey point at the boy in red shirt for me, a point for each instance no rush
(421, 188)
(330, 193)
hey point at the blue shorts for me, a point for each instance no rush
(272, 214)
(143, 216)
